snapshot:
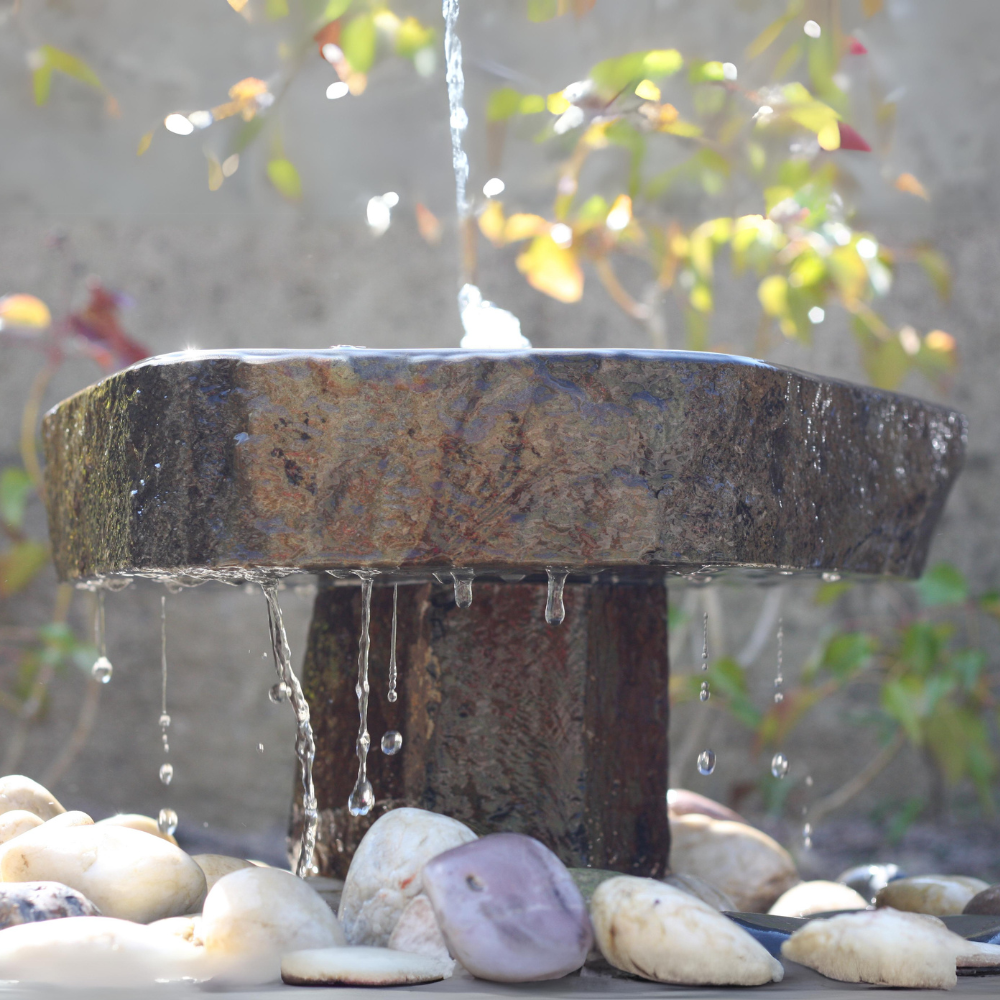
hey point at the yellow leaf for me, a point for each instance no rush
(24, 311)
(807, 271)
(620, 213)
(938, 340)
(556, 103)
(910, 185)
(20, 564)
(849, 272)
(871, 7)
(701, 298)
(647, 90)
(237, 5)
(215, 174)
(766, 38)
(552, 269)
(773, 295)
(358, 41)
(523, 225)
(491, 223)
(829, 136)
(144, 144)
(814, 115)
(687, 130)
(247, 89)
(283, 175)
(276, 9)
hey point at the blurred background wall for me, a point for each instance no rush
(240, 267)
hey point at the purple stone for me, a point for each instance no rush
(508, 909)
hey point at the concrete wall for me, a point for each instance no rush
(241, 268)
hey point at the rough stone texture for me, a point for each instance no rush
(24, 902)
(508, 723)
(420, 460)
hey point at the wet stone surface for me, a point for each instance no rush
(25, 902)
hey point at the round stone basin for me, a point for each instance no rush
(635, 463)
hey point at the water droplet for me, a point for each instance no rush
(278, 692)
(779, 765)
(778, 697)
(102, 670)
(807, 835)
(809, 781)
(831, 577)
(392, 742)
(555, 610)
(704, 694)
(362, 799)
(463, 587)
(167, 821)
(164, 721)
(260, 748)
(706, 762)
(166, 773)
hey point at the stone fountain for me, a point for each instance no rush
(619, 468)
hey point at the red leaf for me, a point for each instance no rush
(849, 139)
(99, 332)
(329, 34)
(855, 47)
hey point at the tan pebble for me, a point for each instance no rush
(417, 931)
(819, 896)
(254, 916)
(700, 889)
(20, 792)
(17, 821)
(746, 864)
(361, 966)
(127, 874)
(136, 821)
(187, 928)
(942, 895)
(665, 935)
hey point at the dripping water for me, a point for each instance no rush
(392, 742)
(807, 829)
(706, 759)
(392, 696)
(779, 765)
(706, 762)
(779, 680)
(305, 746)
(167, 821)
(362, 798)
(102, 669)
(555, 609)
(463, 587)
(166, 771)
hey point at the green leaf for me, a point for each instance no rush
(847, 654)
(247, 132)
(766, 38)
(612, 76)
(283, 175)
(412, 37)
(969, 664)
(503, 103)
(20, 564)
(275, 10)
(70, 65)
(41, 82)
(357, 41)
(15, 488)
(942, 584)
(830, 592)
(902, 700)
(335, 9)
(707, 72)
(542, 10)
(936, 268)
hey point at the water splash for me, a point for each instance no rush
(462, 579)
(362, 798)
(487, 326)
(779, 680)
(706, 762)
(102, 669)
(392, 742)
(305, 746)
(555, 609)
(392, 696)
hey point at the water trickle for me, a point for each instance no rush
(392, 742)
(463, 587)
(102, 669)
(706, 762)
(779, 765)
(166, 773)
(555, 609)
(167, 822)
(458, 119)
(362, 798)
(807, 830)
(392, 696)
(305, 746)
(779, 680)
(704, 694)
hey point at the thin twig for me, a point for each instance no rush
(860, 781)
(29, 426)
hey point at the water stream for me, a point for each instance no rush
(166, 769)
(391, 696)
(362, 798)
(706, 759)
(555, 609)
(102, 669)
(305, 746)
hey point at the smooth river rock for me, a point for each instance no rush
(746, 864)
(508, 909)
(187, 928)
(20, 792)
(128, 874)
(17, 821)
(588, 879)
(660, 933)
(216, 866)
(940, 895)
(417, 931)
(361, 966)
(28, 902)
(96, 952)
(136, 821)
(682, 802)
(386, 871)
(986, 902)
(254, 916)
(886, 948)
(807, 898)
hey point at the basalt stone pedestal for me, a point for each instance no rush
(621, 467)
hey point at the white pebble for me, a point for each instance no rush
(19, 792)
(807, 898)
(361, 966)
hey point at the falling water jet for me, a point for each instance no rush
(779, 680)
(706, 759)
(555, 609)
(305, 746)
(102, 669)
(463, 587)
(392, 696)
(362, 798)
(166, 770)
